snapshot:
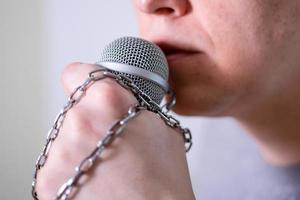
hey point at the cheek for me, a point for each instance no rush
(239, 38)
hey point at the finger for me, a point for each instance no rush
(75, 74)
(105, 94)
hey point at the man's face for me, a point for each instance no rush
(225, 57)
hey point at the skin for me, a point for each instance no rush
(232, 58)
(242, 61)
(141, 164)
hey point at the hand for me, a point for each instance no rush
(147, 162)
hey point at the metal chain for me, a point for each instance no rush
(65, 192)
(145, 102)
(74, 98)
(152, 106)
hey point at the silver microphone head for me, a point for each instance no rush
(141, 61)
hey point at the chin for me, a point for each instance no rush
(205, 98)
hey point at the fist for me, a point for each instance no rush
(146, 162)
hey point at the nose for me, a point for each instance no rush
(163, 7)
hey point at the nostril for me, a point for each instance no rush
(175, 8)
(164, 11)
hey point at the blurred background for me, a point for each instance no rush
(37, 39)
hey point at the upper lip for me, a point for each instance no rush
(173, 48)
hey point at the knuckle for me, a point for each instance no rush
(109, 90)
(68, 75)
(115, 98)
(68, 70)
(77, 121)
(80, 129)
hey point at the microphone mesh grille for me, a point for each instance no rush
(142, 54)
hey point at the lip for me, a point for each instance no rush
(179, 56)
(175, 52)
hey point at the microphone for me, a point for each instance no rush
(141, 61)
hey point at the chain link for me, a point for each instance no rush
(145, 103)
